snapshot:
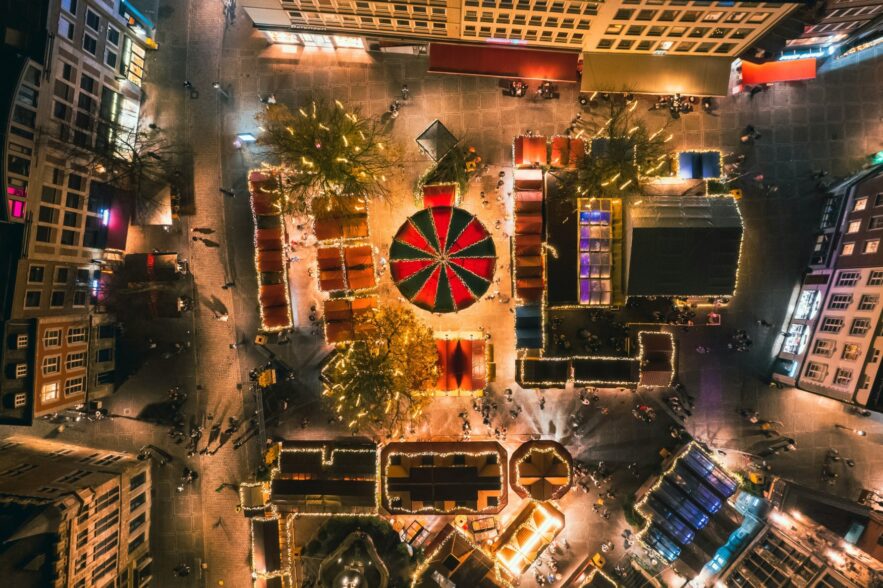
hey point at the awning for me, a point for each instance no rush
(503, 62)
(778, 71)
(656, 74)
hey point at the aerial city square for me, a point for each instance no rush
(441, 293)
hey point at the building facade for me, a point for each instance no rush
(89, 508)
(631, 26)
(73, 83)
(834, 341)
(841, 22)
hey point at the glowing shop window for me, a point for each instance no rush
(17, 209)
(322, 41)
(808, 305)
(796, 341)
(283, 37)
(349, 42)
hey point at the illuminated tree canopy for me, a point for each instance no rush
(326, 150)
(626, 153)
(381, 380)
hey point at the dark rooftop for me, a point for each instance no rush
(683, 246)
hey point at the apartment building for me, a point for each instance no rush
(636, 29)
(73, 516)
(841, 22)
(77, 86)
(73, 71)
(834, 337)
(635, 26)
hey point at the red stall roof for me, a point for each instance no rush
(778, 71)
(503, 62)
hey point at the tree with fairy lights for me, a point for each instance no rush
(381, 380)
(625, 153)
(326, 150)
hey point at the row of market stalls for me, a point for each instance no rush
(574, 252)
(271, 260)
(345, 265)
(356, 477)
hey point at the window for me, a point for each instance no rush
(32, 297)
(21, 370)
(35, 274)
(74, 385)
(816, 371)
(79, 298)
(73, 200)
(854, 226)
(868, 302)
(848, 248)
(56, 300)
(75, 361)
(51, 365)
(69, 5)
(92, 19)
(45, 235)
(76, 335)
(137, 481)
(18, 470)
(52, 338)
(61, 275)
(871, 246)
(875, 223)
(137, 522)
(113, 36)
(840, 301)
(851, 351)
(878, 200)
(842, 377)
(823, 347)
(860, 204)
(874, 279)
(72, 477)
(20, 400)
(49, 393)
(87, 83)
(65, 28)
(137, 502)
(831, 325)
(90, 43)
(21, 342)
(68, 237)
(851, 278)
(860, 326)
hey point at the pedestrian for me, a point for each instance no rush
(227, 192)
(228, 285)
(153, 127)
(406, 94)
(188, 85)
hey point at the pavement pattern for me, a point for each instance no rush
(830, 123)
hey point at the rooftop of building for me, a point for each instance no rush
(687, 246)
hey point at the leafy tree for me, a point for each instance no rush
(381, 380)
(325, 150)
(627, 154)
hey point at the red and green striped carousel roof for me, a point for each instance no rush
(442, 259)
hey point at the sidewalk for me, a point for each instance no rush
(190, 36)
